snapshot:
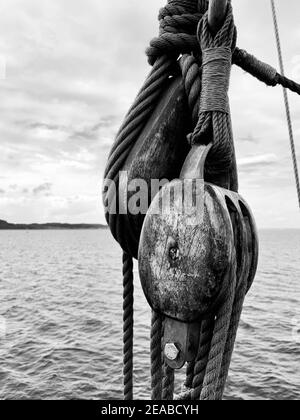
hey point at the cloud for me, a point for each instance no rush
(254, 162)
(74, 67)
(2, 191)
(43, 189)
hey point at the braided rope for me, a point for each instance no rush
(220, 334)
(207, 329)
(178, 24)
(190, 368)
(243, 272)
(214, 122)
(233, 329)
(156, 356)
(286, 102)
(288, 84)
(191, 74)
(168, 383)
(128, 301)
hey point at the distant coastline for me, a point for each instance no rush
(48, 226)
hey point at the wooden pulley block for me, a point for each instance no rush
(188, 243)
(159, 152)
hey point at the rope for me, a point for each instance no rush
(220, 334)
(178, 25)
(168, 383)
(214, 124)
(207, 329)
(189, 375)
(196, 370)
(156, 357)
(127, 136)
(181, 14)
(286, 101)
(243, 272)
(128, 299)
(191, 74)
(288, 83)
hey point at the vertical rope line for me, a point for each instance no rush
(128, 300)
(156, 356)
(168, 383)
(286, 100)
(189, 375)
(221, 330)
(207, 329)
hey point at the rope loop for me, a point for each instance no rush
(177, 34)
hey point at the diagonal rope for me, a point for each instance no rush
(286, 100)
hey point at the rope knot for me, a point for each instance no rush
(178, 26)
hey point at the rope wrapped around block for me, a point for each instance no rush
(206, 376)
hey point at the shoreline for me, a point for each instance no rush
(49, 226)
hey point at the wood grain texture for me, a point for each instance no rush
(247, 241)
(191, 285)
(185, 258)
(194, 164)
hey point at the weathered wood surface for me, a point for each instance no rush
(184, 259)
(160, 150)
(186, 253)
(216, 14)
(194, 164)
(246, 236)
(253, 240)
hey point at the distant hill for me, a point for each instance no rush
(48, 226)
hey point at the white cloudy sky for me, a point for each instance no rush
(73, 68)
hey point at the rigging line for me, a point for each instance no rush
(286, 100)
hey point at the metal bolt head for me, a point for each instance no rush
(171, 351)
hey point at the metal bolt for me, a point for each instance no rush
(171, 351)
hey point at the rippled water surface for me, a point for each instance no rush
(61, 319)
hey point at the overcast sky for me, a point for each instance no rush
(73, 67)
